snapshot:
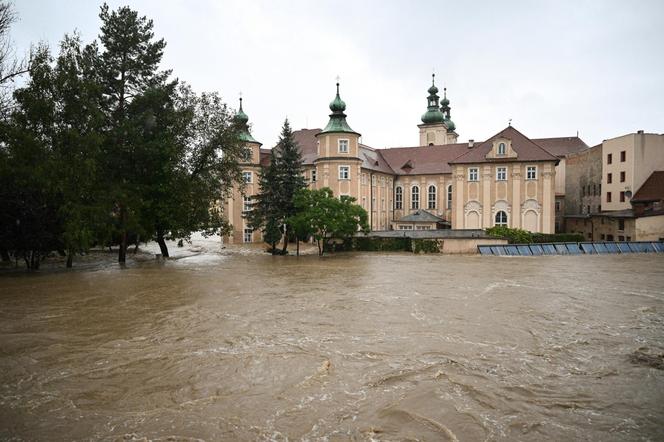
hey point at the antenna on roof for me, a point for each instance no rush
(509, 122)
(577, 133)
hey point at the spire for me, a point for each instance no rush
(337, 121)
(433, 115)
(243, 121)
(445, 109)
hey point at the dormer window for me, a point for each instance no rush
(343, 146)
(502, 149)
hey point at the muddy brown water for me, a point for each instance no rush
(350, 347)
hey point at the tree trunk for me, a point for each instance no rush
(138, 240)
(70, 258)
(320, 251)
(283, 250)
(297, 245)
(162, 244)
(122, 254)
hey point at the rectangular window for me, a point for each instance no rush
(609, 237)
(373, 180)
(622, 176)
(247, 235)
(609, 158)
(602, 237)
(501, 174)
(629, 238)
(531, 172)
(398, 198)
(343, 146)
(621, 238)
(622, 197)
(609, 178)
(621, 224)
(247, 177)
(557, 206)
(246, 203)
(313, 176)
(608, 197)
(623, 156)
(344, 172)
(473, 174)
(364, 178)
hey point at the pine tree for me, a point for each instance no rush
(266, 213)
(128, 67)
(291, 177)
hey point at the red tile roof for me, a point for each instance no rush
(525, 148)
(561, 146)
(651, 190)
(423, 160)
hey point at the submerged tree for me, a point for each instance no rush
(266, 213)
(322, 216)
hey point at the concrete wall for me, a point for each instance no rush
(650, 228)
(467, 245)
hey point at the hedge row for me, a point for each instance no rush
(520, 236)
(374, 244)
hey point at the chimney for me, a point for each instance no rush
(640, 131)
(471, 143)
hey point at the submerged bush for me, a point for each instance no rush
(426, 246)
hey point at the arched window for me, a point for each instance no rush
(449, 196)
(501, 149)
(398, 198)
(432, 197)
(415, 197)
(501, 218)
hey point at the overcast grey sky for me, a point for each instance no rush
(554, 67)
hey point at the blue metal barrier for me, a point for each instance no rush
(572, 248)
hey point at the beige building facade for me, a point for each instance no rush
(508, 179)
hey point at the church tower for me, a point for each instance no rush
(338, 165)
(451, 136)
(432, 129)
(252, 145)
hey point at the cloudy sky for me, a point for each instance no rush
(553, 67)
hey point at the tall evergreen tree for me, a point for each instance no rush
(291, 177)
(128, 67)
(266, 213)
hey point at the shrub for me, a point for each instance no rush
(373, 244)
(426, 246)
(557, 237)
(513, 236)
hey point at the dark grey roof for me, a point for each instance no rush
(421, 216)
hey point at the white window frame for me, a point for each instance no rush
(431, 206)
(246, 203)
(347, 174)
(501, 147)
(449, 196)
(415, 202)
(501, 223)
(343, 142)
(473, 171)
(249, 232)
(247, 176)
(398, 198)
(531, 169)
(501, 173)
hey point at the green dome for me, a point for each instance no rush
(243, 120)
(432, 116)
(450, 125)
(337, 105)
(433, 89)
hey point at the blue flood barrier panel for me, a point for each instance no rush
(524, 250)
(561, 249)
(512, 250)
(658, 246)
(498, 250)
(637, 247)
(601, 248)
(588, 248)
(485, 250)
(624, 247)
(612, 247)
(574, 248)
(549, 249)
(536, 249)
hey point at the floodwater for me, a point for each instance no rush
(350, 347)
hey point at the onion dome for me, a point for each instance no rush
(433, 115)
(337, 121)
(445, 109)
(243, 121)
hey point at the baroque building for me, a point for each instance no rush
(508, 179)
